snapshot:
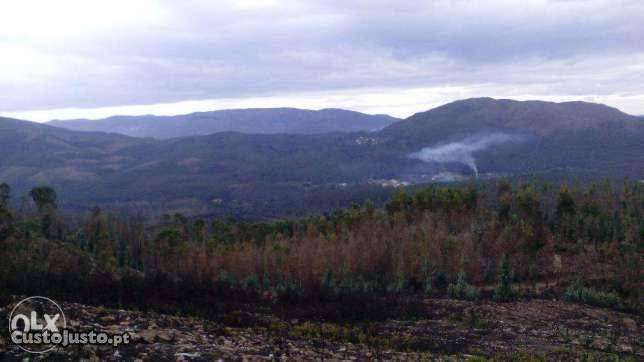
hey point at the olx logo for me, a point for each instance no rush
(33, 320)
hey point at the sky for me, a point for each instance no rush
(91, 59)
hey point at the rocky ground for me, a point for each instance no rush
(451, 330)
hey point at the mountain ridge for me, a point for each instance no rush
(251, 120)
(544, 116)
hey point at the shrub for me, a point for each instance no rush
(226, 278)
(399, 284)
(427, 278)
(578, 293)
(440, 280)
(328, 286)
(251, 283)
(288, 290)
(462, 290)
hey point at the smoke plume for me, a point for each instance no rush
(461, 151)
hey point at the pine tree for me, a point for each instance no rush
(504, 291)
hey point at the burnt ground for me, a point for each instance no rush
(448, 330)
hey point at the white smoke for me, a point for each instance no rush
(461, 151)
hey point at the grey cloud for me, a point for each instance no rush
(210, 50)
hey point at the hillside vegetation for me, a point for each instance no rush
(438, 240)
(374, 278)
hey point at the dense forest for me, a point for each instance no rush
(503, 241)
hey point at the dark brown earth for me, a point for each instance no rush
(451, 330)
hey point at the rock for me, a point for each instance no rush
(108, 319)
(148, 335)
(556, 263)
(187, 355)
(630, 324)
(166, 335)
(624, 348)
(600, 343)
(134, 337)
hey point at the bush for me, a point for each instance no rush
(226, 278)
(251, 283)
(288, 290)
(399, 284)
(462, 290)
(427, 278)
(579, 293)
(440, 280)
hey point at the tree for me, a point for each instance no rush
(565, 213)
(6, 219)
(45, 199)
(504, 200)
(199, 230)
(399, 202)
(565, 203)
(167, 245)
(44, 196)
(6, 223)
(527, 200)
(5, 193)
(504, 291)
(369, 208)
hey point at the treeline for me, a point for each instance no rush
(503, 241)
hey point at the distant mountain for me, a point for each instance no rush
(34, 154)
(32, 149)
(585, 139)
(538, 117)
(253, 121)
(269, 175)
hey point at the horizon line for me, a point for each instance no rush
(398, 103)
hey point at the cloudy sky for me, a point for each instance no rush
(91, 59)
